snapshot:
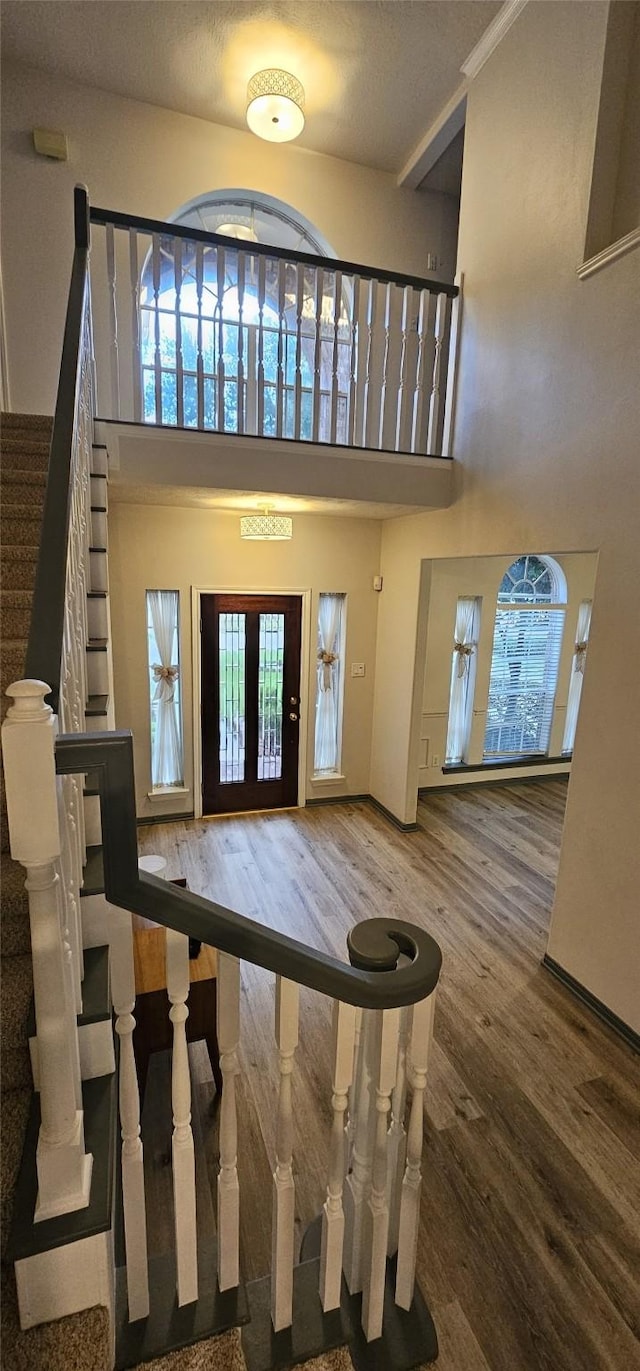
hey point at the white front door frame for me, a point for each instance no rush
(305, 665)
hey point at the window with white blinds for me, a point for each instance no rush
(524, 665)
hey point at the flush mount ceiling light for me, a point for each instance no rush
(266, 527)
(275, 105)
(248, 235)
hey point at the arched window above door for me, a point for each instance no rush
(223, 330)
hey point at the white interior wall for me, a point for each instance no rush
(173, 548)
(547, 444)
(451, 579)
(148, 161)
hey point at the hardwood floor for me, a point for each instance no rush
(529, 1252)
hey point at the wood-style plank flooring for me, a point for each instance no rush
(529, 1252)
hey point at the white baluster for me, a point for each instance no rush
(28, 732)
(337, 307)
(177, 282)
(385, 363)
(421, 1033)
(418, 393)
(134, 279)
(317, 353)
(182, 1151)
(344, 1026)
(220, 382)
(353, 363)
(113, 324)
(452, 370)
(286, 1033)
(371, 316)
(297, 427)
(358, 1182)
(397, 1141)
(199, 358)
(435, 403)
(282, 325)
(133, 1196)
(377, 1227)
(262, 269)
(157, 359)
(228, 1011)
(241, 260)
(407, 298)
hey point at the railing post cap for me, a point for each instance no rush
(28, 698)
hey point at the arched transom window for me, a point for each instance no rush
(526, 653)
(228, 339)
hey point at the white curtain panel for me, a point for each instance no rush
(326, 744)
(166, 759)
(577, 672)
(465, 643)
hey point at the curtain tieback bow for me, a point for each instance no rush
(165, 678)
(580, 653)
(326, 660)
(464, 651)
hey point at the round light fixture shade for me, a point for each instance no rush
(266, 527)
(248, 235)
(275, 105)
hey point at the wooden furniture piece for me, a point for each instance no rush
(153, 1031)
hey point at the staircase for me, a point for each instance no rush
(80, 1341)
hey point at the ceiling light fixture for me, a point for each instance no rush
(266, 527)
(275, 105)
(248, 235)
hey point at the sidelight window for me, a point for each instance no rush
(329, 684)
(163, 656)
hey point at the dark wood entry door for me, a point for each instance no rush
(250, 701)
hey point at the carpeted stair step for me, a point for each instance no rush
(15, 1111)
(18, 571)
(15, 610)
(34, 423)
(17, 990)
(22, 487)
(12, 665)
(20, 524)
(22, 454)
(14, 917)
(80, 1342)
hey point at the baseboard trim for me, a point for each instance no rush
(592, 1002)
(164, 818)
(364, 799)
(426, 790)
(386, 813)
(336, 800)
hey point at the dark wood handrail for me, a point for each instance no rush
(44, 649)
(373, 981)
(159, 226)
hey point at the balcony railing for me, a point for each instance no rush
(199, 331)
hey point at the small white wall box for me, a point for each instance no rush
(377, 583)
(51, 143)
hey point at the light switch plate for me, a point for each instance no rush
(357, 668)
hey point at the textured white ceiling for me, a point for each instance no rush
(376, 72)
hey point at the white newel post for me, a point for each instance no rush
(182, 1151)
(344, 1027)
(420, 1043)
(377, 1226)
(282, 1230)
(133, 1198)
(28, 736)
(228, 1015)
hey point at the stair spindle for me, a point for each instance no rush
(134, 280)
(286, 1034)
(358, 1182)
(377, 1220)
(182, 1150)
(113, 323)
(133, 1194)
(228, 1016)
(435, 403)
(344, 1027)
(421, 1033)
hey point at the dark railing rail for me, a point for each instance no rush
(373, 981)
(44, 650)
(164, 228)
